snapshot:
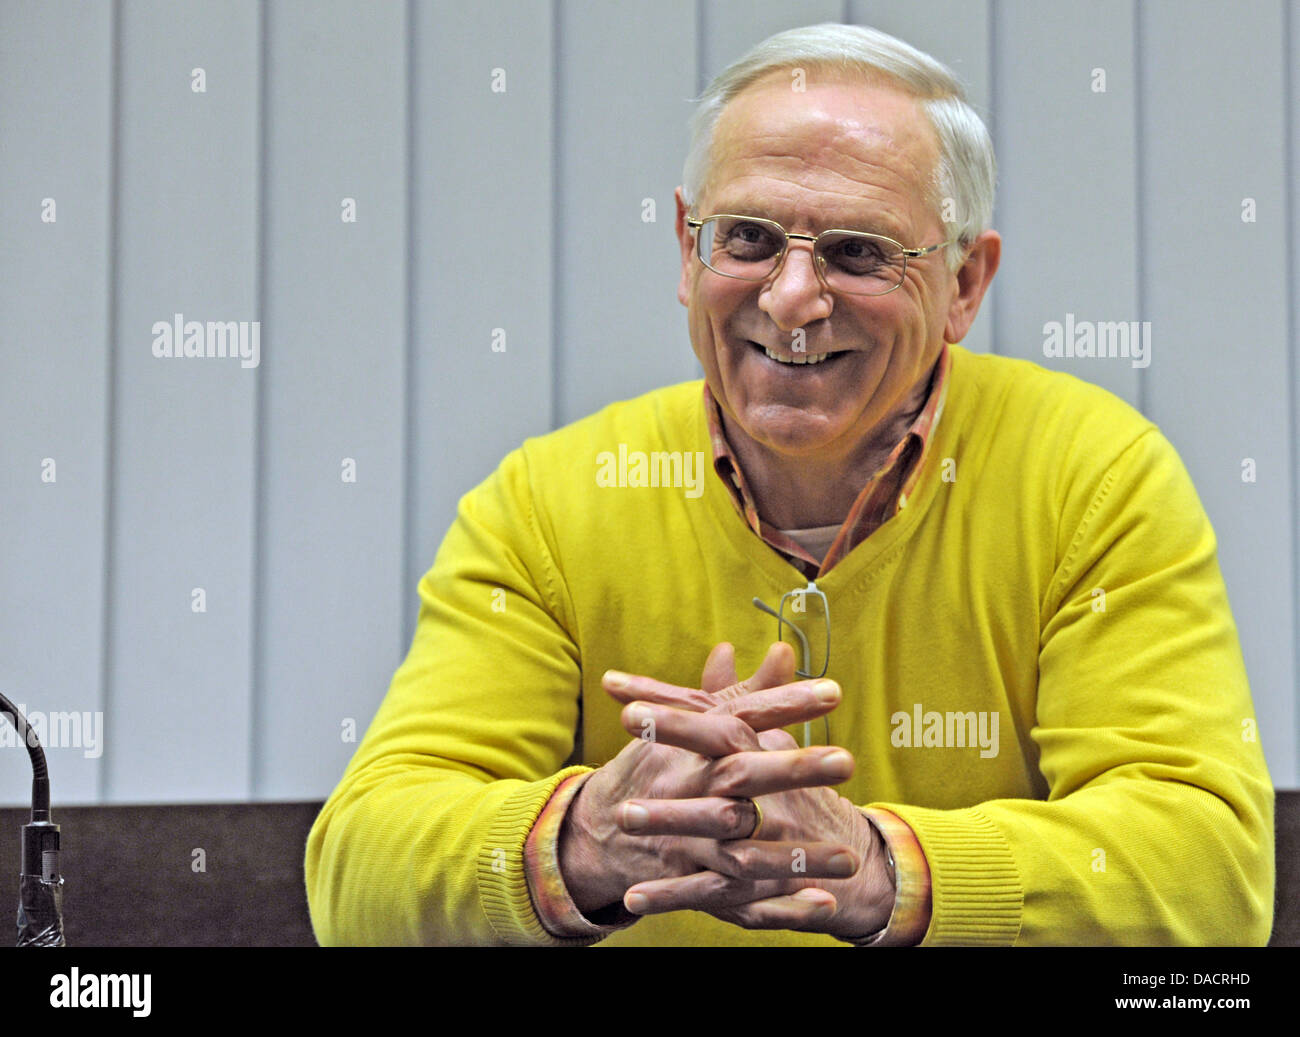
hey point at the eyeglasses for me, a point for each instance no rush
(802, 613)
(751, 248)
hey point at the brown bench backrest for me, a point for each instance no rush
(132, 877)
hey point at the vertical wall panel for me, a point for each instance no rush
(1292, 180)
(481, 229)
(1218, 383)
(55, 126)
(626, 73)
(1068, 194)
(182, 501)
(957, 33)
(330, 564)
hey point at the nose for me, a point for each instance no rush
(796, 296)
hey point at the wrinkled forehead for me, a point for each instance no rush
(835, 150)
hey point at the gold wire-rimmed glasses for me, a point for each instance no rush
(810, 605)
(753, 248)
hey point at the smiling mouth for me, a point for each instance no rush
(798, 359)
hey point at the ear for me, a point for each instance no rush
(686, 239)
(973, 280)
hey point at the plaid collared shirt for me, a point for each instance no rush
(884, 495)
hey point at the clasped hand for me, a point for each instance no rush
(669, 823)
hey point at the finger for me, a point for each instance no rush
(709, 734)
(781, 706)
(776, 668)
(764, 709)
(755, 859)
(703, 891)
(730, 727)
(718, 680)
(751, 774)
(633, 687)
(711, 817)
(719, 669)
(777, 739)
(807, 910)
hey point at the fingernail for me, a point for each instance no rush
(837, 764)
(636, 903)
(635, 817)
(616, 679)
(636, 713)
(827, 692)
(843, 864)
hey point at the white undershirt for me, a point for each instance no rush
(816, 540)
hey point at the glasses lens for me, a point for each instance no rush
(738, 247)
(804, 627)
(861, 264)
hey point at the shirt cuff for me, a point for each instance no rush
(555, 908)
(910, 919)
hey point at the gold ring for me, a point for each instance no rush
(758, 819)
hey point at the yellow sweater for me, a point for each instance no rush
(1054, 567)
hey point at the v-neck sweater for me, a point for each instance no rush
(1041, 676)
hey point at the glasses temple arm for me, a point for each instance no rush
(803, 641)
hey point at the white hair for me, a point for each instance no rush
(966, 169)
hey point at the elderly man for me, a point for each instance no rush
(1006, 662)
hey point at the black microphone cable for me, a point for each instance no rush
(40, 886)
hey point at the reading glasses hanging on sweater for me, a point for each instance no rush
(803, 621)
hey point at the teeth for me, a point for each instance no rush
(798, 358)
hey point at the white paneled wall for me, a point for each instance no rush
(57, 300)
(453, 225)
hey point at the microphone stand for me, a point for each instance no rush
(40, 886)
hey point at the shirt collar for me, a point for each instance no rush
(865, 515)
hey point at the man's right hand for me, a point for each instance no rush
(600, 858)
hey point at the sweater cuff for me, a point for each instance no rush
(502, 873)
(976, 894)
(555, 907)
(910, 917)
